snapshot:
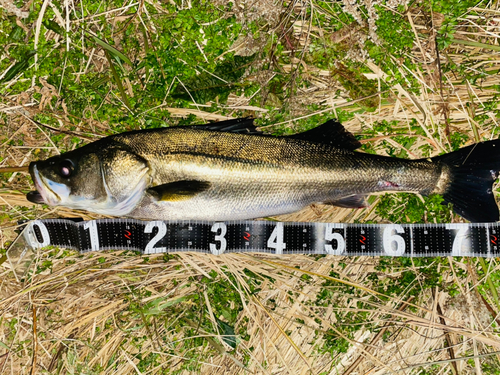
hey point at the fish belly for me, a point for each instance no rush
(213, 210)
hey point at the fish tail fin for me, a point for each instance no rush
(473, 170)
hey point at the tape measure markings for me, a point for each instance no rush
(151, 237)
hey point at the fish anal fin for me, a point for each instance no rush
(352, 201)
(331, 133)
(178, 190)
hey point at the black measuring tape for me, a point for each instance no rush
(151, 237)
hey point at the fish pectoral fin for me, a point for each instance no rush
(178, 190)
(352, 201)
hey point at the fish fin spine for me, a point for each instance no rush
(243, 125)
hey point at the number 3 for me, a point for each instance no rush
(222, 229)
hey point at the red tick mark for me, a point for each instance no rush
(127, 234)
(494, 240)
(362, 240)
(246, 237)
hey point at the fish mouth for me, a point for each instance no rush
(35, 197)
(43, 193)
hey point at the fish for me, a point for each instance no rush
(230, 170)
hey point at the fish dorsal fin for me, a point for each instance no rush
(331, 133)
(242, 125)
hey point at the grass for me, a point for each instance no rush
(409, 79)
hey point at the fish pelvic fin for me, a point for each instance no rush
(352, 201)
(178, 190)
(472, 172)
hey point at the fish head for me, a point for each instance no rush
(109, 180)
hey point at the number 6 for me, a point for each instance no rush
(389, 238)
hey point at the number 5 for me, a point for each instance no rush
(331, 235)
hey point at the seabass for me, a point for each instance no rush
(229, 170)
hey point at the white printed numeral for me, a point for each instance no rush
(93, 233)
(31, 236)
(331, 235)
(389, 239)
(276, 240)
(458, 241)
(162, 231)
(220, 229)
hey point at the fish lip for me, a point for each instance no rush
(35, 197)
(43, 194)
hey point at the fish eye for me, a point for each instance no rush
(66, 168)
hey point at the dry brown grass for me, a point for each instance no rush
(80, 313)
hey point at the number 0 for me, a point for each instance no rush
(31, 236)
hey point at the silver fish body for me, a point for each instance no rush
(187, 173)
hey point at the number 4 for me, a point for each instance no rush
(276, 240)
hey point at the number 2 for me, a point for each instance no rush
(162, 231)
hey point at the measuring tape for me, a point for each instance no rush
(152, 237)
